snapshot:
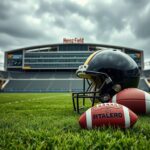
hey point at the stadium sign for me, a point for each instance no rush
(74, 40)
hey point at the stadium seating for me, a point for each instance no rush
(144, 85)
(147, 73)
(41, 75)
(43, 81)
(3, 75)
(48, 81)
(38, 85)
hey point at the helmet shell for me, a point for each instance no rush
(119, 66)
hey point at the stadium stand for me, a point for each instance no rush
(1, 83)
(3, 75)
(55, 85)
(48, 81)
(42, 81)
(146, 73)
(3, 79)
(40, 75)
(56, 74)
(51, 67)
(45, 81)
(144, 85)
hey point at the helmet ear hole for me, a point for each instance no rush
(117, 88)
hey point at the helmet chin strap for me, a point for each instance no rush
(106, 97)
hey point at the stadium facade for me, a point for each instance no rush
(59, 56)
(51, 67)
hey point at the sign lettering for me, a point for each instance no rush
(75, 40)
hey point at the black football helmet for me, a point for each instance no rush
(107, 72)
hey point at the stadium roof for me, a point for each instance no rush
(92, 44)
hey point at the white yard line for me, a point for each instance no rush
(29, 100)
(66, 79)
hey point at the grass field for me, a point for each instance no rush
(47, 121)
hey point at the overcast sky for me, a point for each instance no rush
(35, 22)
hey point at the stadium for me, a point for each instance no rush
(52, 67)
(36, 101)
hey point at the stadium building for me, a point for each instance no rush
(51, 67)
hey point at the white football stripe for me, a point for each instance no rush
(126, 116)
(147, 102)
(89, 118)
(114, 99)
(98, 105)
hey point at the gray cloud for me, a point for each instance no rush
(141, 26)
(19, 27)
(124, 23)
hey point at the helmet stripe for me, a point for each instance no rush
(89, 118)
(90, 57)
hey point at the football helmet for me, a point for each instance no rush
(107, 72)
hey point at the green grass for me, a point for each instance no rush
(47, 121)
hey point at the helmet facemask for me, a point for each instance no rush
(96, 82)
(95, 87)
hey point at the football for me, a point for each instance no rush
(135, 99)
(108, 114)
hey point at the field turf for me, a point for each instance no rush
(47, 121)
